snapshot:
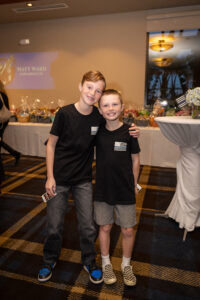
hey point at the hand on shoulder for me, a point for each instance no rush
(134, 131)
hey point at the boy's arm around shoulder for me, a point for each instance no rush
(50, 151)
(134, 131)
(136, 168)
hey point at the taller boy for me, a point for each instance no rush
(69, 167)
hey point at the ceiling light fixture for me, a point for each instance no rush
(35, 8)
(161, 43)
(29, 4)
(162, 62)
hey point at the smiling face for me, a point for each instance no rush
(111, 107)
(90, 92)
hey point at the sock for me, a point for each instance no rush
(105, 260)
(125, 261)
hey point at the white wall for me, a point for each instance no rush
(114, 44)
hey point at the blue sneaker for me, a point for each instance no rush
(95, 274)
(46, 272)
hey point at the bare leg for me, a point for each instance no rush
(104, 239)
(127, 241)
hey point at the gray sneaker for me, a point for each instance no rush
(128, 276)
(108, 274)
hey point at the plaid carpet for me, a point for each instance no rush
(166, 267)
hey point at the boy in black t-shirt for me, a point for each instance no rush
(69, 167)
(117, 169)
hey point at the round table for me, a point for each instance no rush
(185, 205)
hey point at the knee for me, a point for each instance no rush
(127, 232)
(54, 230)
(106, 228)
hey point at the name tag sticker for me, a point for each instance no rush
(94, 130)
(120, 146)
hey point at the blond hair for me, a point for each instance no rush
(93, 76)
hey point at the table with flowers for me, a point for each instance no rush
(185, 132)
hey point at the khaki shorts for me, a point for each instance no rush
(122, 215)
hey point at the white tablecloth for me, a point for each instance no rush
(156, 149)
(29, 138)
(185, 205)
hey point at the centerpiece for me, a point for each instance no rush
(193, 99)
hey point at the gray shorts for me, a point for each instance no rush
(122, 215)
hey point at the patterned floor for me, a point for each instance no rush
(166, 267)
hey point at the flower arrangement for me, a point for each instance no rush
(193, 96)
(193, 99)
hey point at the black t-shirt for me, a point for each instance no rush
(114, 173)
(75, 147)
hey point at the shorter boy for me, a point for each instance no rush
(117, 169)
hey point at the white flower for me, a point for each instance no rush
(193, 96)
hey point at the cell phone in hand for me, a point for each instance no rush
(46, 197)
(139, 187)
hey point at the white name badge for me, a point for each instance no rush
(120, 146)
(94, 130)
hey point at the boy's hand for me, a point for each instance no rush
(136, 190)
(51, 186)
(134, 131)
